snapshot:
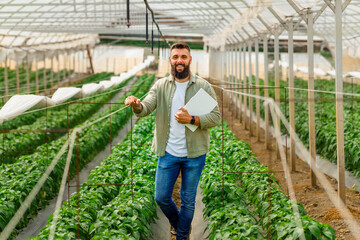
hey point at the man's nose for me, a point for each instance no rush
(180, 61)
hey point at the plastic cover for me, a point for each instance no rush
(20, 103)
(64, 93)
(107, 84)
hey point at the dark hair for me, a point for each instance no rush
(180, 45)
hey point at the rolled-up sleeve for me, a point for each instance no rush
(213, 118)
(149, 103)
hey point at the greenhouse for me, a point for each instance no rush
(192, 119)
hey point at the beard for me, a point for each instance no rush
(180, 75)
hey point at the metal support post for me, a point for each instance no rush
(291, 95)
(64, 68)
(339, 101)
(250, 86)
(17, 77)
(58, 69)
(233, 79)
(311, 96)
(257, 89)
(277, 80)
(240, 77)
(36, 77)
(245, 89)
(74, 62)
(6, 79)
(266, 92)
(52, 73)
(44, 75)
(27, 74)
(236, 80)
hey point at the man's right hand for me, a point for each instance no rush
(134, 102)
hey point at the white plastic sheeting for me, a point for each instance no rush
(107, 84)
(353, 74)
(20, 103)
(91, 88)
(64, 93)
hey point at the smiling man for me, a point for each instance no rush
(179, 149)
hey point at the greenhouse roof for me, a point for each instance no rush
(219, 22)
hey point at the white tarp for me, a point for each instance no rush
(353, 74)
(303, 69)
(91, 88)
(118, 79)
(65, 93)
(319, 72)
(107, 84)
(20, 103)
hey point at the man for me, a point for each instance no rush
(179, 148)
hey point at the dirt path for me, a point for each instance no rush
(314, 199)
(176, 197)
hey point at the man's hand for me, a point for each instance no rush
(183, 117)
(134, 102)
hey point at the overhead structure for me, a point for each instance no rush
(229, 29)
(23, 23)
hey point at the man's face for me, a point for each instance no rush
(180, 60)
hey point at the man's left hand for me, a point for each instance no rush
(183, 117)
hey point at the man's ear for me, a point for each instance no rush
(190, 59)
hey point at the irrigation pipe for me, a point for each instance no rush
(349, 219)
(63, 183)
(25, 205)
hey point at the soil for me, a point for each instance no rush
(314, 199)
(176, 197)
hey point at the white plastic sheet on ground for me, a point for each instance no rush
(20, 103)
(65, 93)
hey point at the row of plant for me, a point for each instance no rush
(113, 211)
(19, 143)
(19, 178)
(325, 118)
(29, 118)
(226, 207)
(274, 210)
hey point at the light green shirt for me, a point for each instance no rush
(160, 96)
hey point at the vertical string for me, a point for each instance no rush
(152, 38)
(147, 27)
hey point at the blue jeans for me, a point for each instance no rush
(167, 172)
